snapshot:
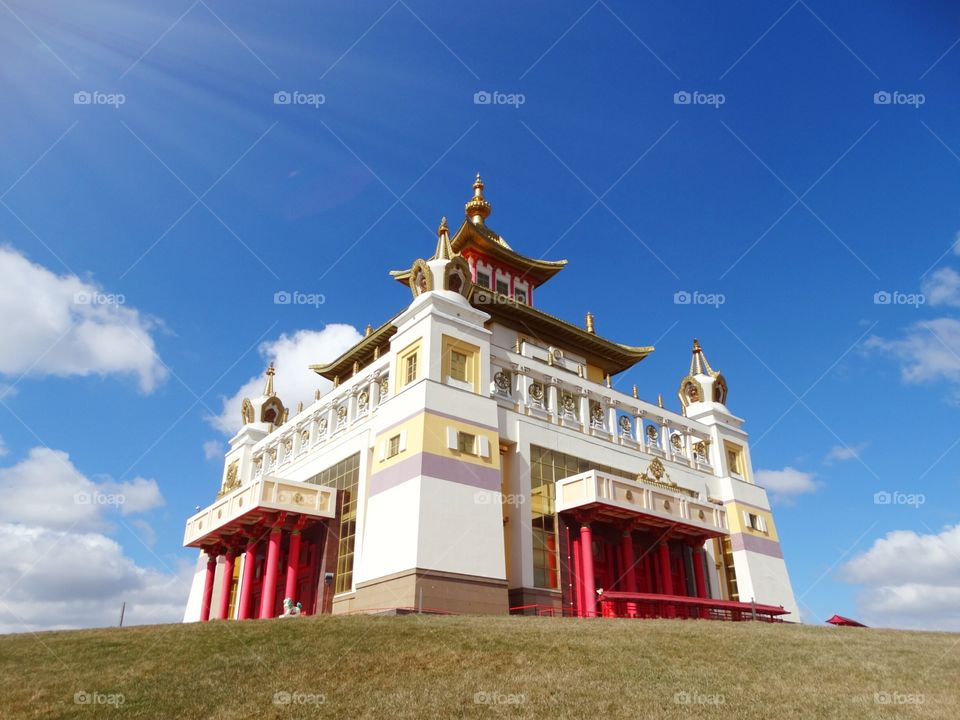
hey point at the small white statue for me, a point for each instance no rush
(289, 609)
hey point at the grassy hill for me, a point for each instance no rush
(480, 667)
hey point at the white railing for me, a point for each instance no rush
(593, 488)
(344, 408)
(534, 387)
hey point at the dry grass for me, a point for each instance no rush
(425, 667)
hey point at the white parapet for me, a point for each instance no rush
(251, 501)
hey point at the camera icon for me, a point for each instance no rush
(681, 698)
(882, 498)
(82, 98)
(882, 98)
(882, 297)
(682, 97)
(82, 498)
(482, 97)
(882, 698)
(282, 697)
(82, 698)
(682, 297)
(282, 298)
(81, 298)
(282, 98)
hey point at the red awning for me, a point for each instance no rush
(840, 620)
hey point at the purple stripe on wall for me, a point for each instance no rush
(753, 543)
(438, 466)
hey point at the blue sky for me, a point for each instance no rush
(182, 198)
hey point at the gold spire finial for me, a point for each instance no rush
(635, 393)
(590, 327)
(444, 250)
(698, 363)
(478, 209)
(660, 400)
(369, 331)
(268, 388)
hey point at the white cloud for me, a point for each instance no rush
(943, 287)
(46, 489)
(58, 568)
(910, 580)
(213, 449)
(64, 326)
(927, 351)
(292, 356)
(842, 453)
(785, 485)
(55, 579)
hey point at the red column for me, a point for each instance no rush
(577, 576)
(699, 578)
(666, 580)
(293, 565)
(269, 591)
(226, 584)
(208, 586)
(629, 570)
(589, 587)
(246, 584)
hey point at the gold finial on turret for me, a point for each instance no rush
(590, 326)
(356, 366)
(299, 407)
(316, 394)
(609, 380)
(635, 393)
(268, 388)
(444, 250)
(478, 209)
(660, 400)
(369, 331)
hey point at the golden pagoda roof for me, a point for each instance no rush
(475, 233)
(362, 353)
(611, 357)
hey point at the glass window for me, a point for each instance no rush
(394, 447)
(410, 368)
(458, 365)
(503, 287)
(546, 468)
(345, 478)
(483, 279)
(467, 443)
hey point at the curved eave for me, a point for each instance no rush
(611, 357)
(362, 352)
(490, 243)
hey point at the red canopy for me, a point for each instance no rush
(845, 622)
